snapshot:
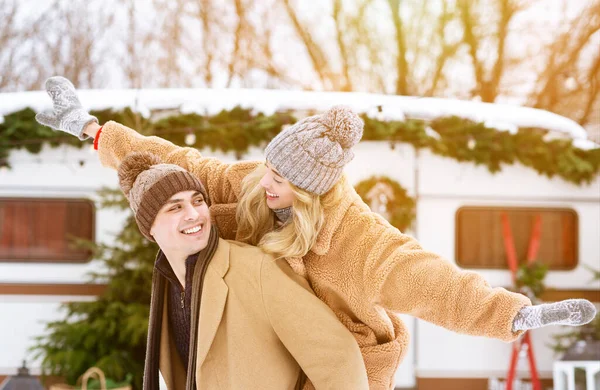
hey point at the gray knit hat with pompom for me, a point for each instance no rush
(312, 153)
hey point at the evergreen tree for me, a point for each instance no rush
(110, 332)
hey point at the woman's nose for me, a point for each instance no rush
(264, 181)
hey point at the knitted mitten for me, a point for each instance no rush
(568, 312)
(68, 114)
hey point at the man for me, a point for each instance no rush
(224, 315)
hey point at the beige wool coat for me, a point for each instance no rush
(255, 329)
(361, 267)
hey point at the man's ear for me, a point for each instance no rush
(152, 229)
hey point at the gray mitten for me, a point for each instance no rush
(568, 312)
(67, 114)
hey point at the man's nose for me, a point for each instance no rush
(191, 213)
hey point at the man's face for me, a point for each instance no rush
(278, 191)
(183, 224)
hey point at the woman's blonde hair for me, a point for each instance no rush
(257, 222)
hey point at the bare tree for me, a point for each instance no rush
(218, 43)
(364, 52)
(592, 95)
(447, 51)
(315, 52)
(487, 82)
(9, 37)
(402, 87)
(262, 56)
(457, 48)
(132, 63)
(19, 35)
(171, 43)
(242, 34)
(563, 67)
(346, 82)
(206, 16)
(71, 42)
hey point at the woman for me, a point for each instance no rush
(299, 206)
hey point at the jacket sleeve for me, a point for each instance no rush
(222, 181)
(325, 350)
(402, 277)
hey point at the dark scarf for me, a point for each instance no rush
(283, 215)
(151, 365)
(179, 314)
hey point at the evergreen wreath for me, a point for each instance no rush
(401, 207)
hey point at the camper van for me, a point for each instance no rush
(459, 215)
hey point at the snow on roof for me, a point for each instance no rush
(392, 107)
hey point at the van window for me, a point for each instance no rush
(480, 243)
(42, 230)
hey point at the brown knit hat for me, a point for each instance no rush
(313, 152)
(148, 184)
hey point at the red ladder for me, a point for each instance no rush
(511, 256)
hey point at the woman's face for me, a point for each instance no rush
(278, 191)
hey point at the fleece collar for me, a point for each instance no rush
(333, 218)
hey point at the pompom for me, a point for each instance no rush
(345, 126)
(132, 166)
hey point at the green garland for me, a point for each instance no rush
(530, 279)
(238, 129)
(401, 207)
